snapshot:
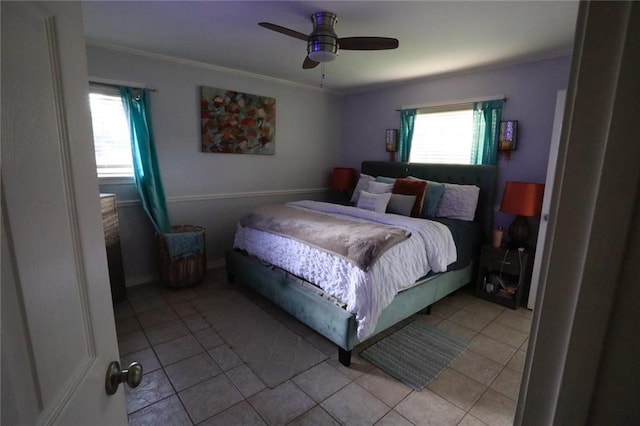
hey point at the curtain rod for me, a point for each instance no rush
(452, 103)
(100, 83)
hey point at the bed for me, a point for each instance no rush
(331, 318)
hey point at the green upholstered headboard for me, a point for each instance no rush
(482, 176)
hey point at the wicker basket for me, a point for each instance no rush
(182, 272)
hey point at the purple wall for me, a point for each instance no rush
(531, 95)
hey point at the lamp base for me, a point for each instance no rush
(519, 232)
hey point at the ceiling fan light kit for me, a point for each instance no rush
(323, 43)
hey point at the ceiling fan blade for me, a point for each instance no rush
(367, 43)
(309, 63)
(283, 30)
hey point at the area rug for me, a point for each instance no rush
(415, 354)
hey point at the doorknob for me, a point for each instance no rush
(131, 376)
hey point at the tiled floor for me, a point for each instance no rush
(183, 339)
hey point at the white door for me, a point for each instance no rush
(58, 332)
(546, 201)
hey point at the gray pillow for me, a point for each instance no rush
(362, 185)
(374, 202)
(401, 204)
(459, 201)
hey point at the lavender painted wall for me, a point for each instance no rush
(531, 95)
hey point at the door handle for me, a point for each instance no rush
(132, 376)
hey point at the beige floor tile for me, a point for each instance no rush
(357, 368)
(240, 414)
(126, 325)
(146, 357)
(456, 330)
(511, 319)
(184, 309)
(191, 371)
(245, 380)
(148, 304)
(321, 343)
(156, 316)
(315, 417)
(457, 388)
(144, 291)
(504, 334)
(321, 381)
(177, 349)
(208, 338)
(225, 357)
(508, 383)
(178, 295)
(166, 331)
(491, 348)
(393, 418)
(347, 405)
(154, 387)
(443, 310)
(383, 386)
(524, 312)
(195, 322)
(427, 408)
(471, 320)
(494, 409)
(517, 361)
(132, 342)
(484, 308)
(122, 310)
(282, 404)
(429, 319)
(477, 367)
(469, 420)
(209, 398)
(169, 411)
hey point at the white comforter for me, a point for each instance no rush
(366, 294)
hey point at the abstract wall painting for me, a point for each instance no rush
(237, 123)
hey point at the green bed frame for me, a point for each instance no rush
(335, 323)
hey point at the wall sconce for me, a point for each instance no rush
(391, 143)
(508, 137)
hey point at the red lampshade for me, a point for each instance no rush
(522, 198)
(342, 178)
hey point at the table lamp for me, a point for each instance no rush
(343, 179)
(524, 199)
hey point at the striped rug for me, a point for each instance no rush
(415, 354)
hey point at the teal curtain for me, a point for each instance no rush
(407, 123)
(486, 125)
(145, 159)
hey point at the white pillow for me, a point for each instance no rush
(459, 202)
(401, 204)
(362, 185)
(374, 202)
(379, 187)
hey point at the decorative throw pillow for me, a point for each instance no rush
(432, 197)
(374, 202)
(412, 187)
(379, 187)
(385, 179)
(362, 185)
(401, 204)
(459, 201)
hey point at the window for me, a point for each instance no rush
(111, 135)
(443, 136)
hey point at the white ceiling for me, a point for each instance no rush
(436, 37)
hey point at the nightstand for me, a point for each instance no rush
(504, 275)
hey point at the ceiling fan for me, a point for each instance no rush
(323, 43)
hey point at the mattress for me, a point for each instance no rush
(431, 247)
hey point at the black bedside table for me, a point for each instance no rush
(504, 275)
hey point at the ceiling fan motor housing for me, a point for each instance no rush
(323, 41)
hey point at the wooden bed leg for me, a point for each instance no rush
(344, 357)
(426, 311)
